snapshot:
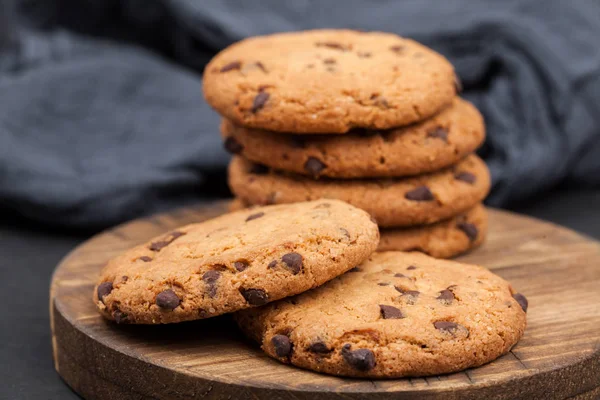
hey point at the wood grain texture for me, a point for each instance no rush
(558, 358)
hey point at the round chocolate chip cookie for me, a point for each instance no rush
(423, 147)
(393, 202)
(328, 81)
(397, 314)
(235, 261)
(444, 239)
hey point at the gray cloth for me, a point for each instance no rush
(97, 130)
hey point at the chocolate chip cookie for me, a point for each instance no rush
(444, 239)
(397, 314)
(328, 81)
(393, 202)
(238, 260)
(423, 147)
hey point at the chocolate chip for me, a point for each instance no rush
(421, 193)
(400, 275)
(333, 45)
(319, 347)
(259, 169)
(256, 297)
(240, 265)
(119, 316)
(380, 101)
(314, 166)
(446, 296)
(361, 359)
(293, 262)
(259, 102)
(363, 54)
(167, 300)
(438, 133)
(282, 345)
(355, 269)
(465, 177)
(272, 264)
(232, 145)
(210, 278)
(175, 234)
(261, 66)
(145, 258)
(329, 61)
(390, 312)
(522, 300)
(457, 84)
(157, 246)
(410, 267)
(345, 232)
(451, 327)
(255, 216)
(469, 229)
(104, 289)
(397, 48)
(383, 284)
(124, 278)
(231, 66)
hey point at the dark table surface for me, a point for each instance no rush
(30, 253)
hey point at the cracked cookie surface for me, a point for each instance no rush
(393, 202)
(423, 147)
(235, 261)
(328, 81)
(397, 314)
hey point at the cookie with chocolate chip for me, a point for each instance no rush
(328, 81)
(396, 315)
(393, 202)
(423, 147)
(444, 239)
(236, 261)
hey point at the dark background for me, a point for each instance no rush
(102, 120)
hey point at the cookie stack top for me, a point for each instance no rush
(328, 81)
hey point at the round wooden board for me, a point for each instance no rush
(558, 358)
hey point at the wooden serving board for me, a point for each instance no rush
(558, 358)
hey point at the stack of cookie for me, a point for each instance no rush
(369, 118)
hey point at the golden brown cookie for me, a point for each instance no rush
(235, 261)
(393, 202)
(328, 81)
(397, 314)
(423, 147)
(444, 239)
